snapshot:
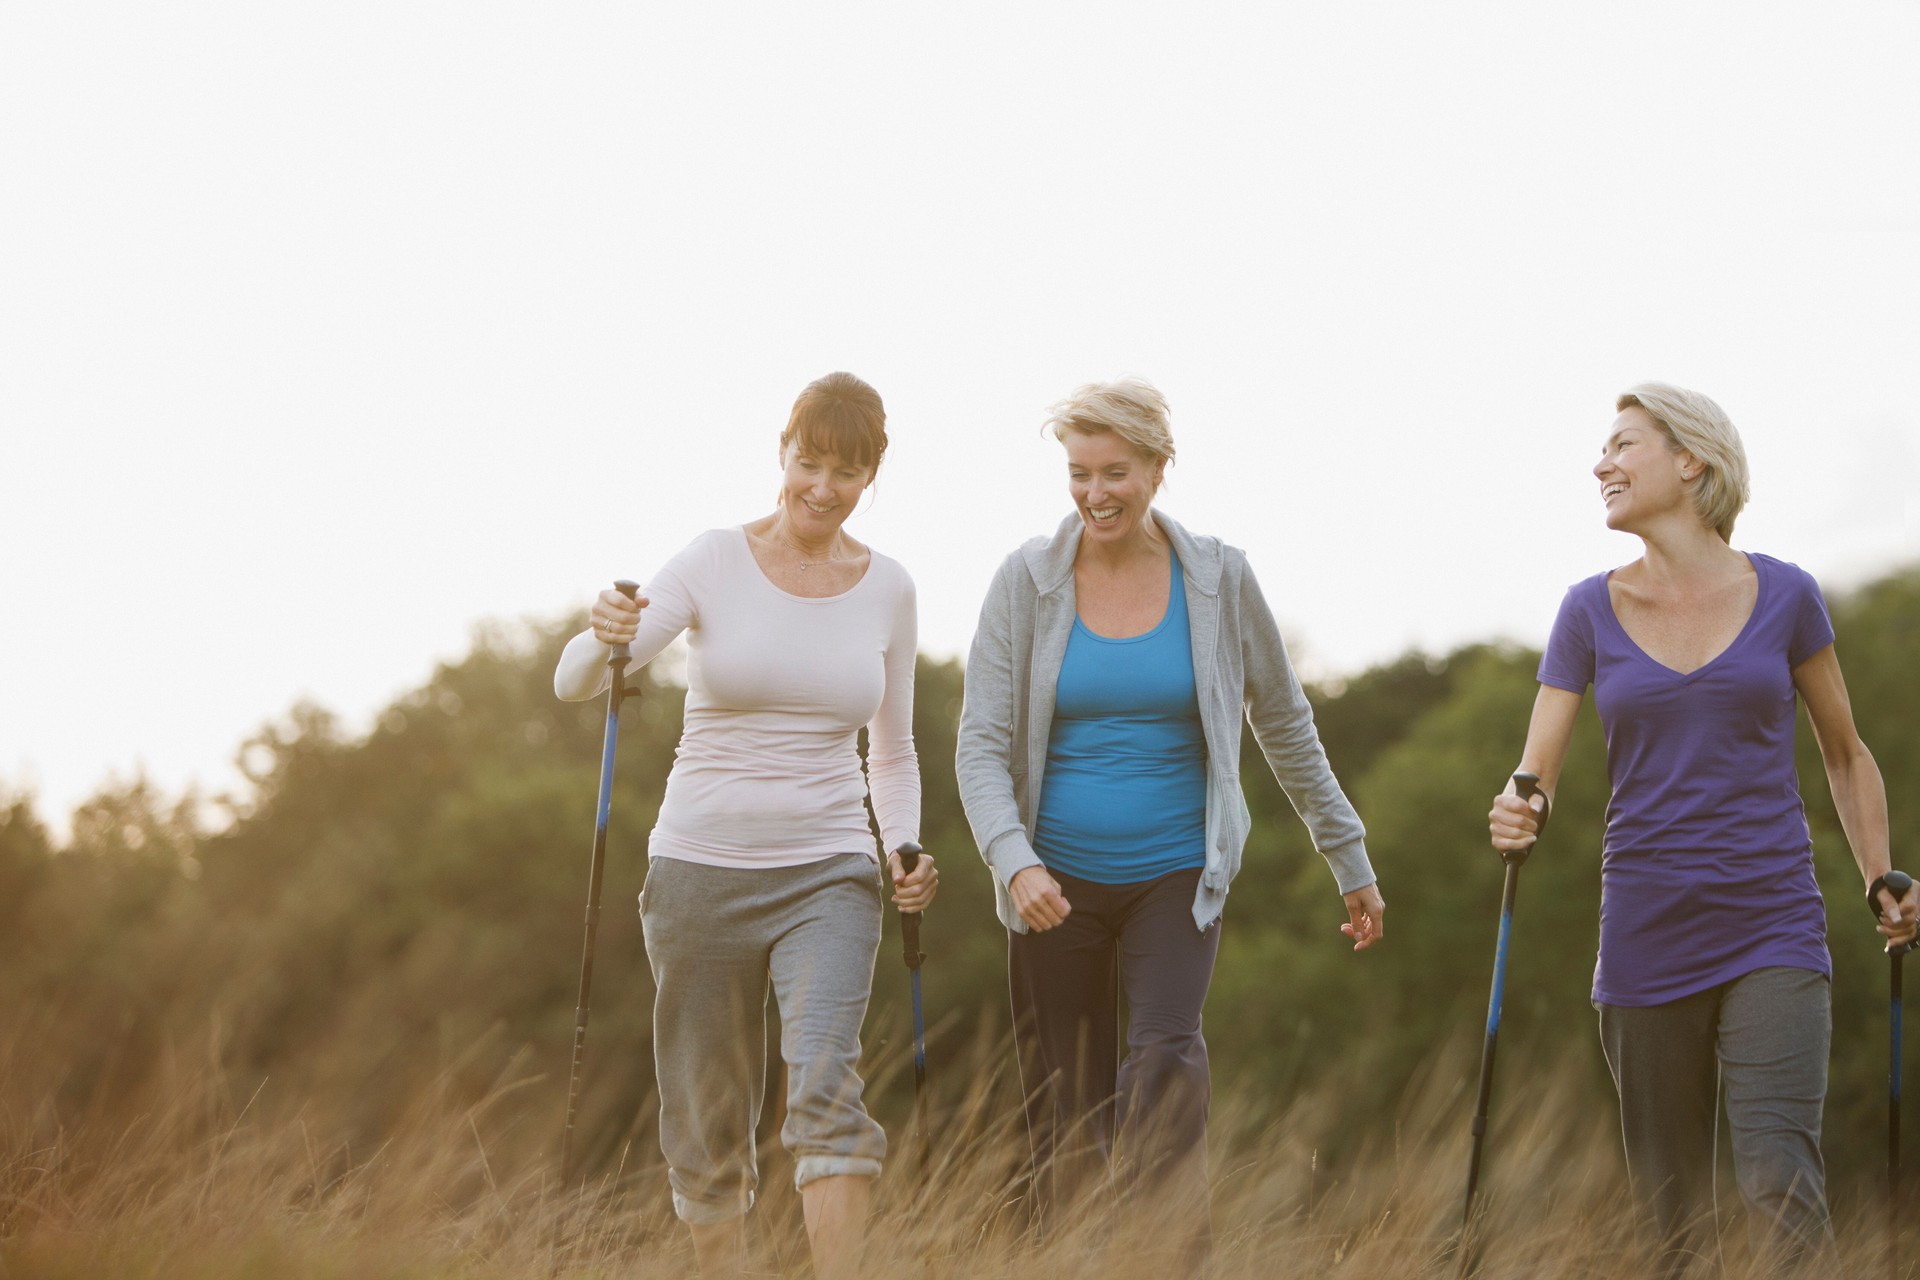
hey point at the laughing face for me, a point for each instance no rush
(818, 491)
(1111, 483)
(1641, 478)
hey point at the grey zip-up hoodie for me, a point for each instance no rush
(1239, 667)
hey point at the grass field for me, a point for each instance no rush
(192, 1176)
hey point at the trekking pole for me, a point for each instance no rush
(1896, 883)
(617, 694)
(1526, 786)
(910, 942)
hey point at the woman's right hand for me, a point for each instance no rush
(616, 619)
(1515, 823)
(1037, 897)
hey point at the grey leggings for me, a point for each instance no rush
(1765, 1036)
(715, 937)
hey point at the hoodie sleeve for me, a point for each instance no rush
(983, 759)
(1282, 721)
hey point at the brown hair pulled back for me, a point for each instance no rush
(839, 414)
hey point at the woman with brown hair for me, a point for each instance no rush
(762, 865)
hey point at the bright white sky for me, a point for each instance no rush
(327, 329)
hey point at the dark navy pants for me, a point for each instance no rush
(1092, 1117)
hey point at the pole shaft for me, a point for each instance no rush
(909, 853)
(1494, 999)
(596, 870)
(1526, 786)
(1893, 1114)
(923, 1147)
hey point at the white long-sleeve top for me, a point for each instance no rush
(768, 771)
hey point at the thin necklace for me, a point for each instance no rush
(806, 564)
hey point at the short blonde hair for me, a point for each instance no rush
(1131, 408)
(1694, 423)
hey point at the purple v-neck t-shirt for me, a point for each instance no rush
(1707, 872)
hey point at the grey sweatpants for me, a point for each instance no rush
(1765, 1036)
(715, 936)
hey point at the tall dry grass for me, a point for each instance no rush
(195, 1175)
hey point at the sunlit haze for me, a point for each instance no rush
(330, 329)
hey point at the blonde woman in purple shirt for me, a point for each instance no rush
(1713, 960)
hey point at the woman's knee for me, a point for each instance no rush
(1168, 1074)
(1778, 1172)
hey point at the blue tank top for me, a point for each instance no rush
(1125, 797)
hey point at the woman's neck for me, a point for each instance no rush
(1687, 552)
(1144, 543)
(781, 530)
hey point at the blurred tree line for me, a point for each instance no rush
(403, 910)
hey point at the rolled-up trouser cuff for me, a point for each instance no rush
(808, 1168)
(705, 1215)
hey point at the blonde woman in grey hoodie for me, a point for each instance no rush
(1099, 764)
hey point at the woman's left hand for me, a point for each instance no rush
(913, 892)
(1899, 917)
(1367, 911)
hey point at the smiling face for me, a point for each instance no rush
(1642, 478)
(818, 491)
(1111, 483)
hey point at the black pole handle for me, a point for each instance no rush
(1897, 883)
(909, 854)
(1527, 786)
(630, 589)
